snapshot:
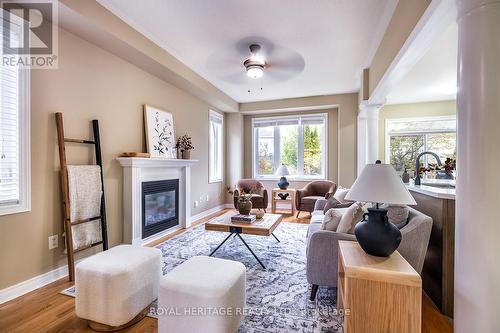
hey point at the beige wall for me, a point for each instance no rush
(92, 84)
(429, 109)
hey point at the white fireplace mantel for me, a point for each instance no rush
(138, 170)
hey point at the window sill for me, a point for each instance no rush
(14, 209)
(216, 181)
(301, 179)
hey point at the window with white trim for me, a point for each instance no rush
(408, 137)
(299, 142)
(14, 129)
(216, 135)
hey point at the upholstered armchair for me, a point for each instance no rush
(306, 197)
(256, 188)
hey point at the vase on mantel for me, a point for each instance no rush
(186, 154)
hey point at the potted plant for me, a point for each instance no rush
(449, 166)
(184, 146)
(245, 203)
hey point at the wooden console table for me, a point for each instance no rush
(378, 295)
(289, 200)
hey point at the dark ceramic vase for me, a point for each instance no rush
(283, 183)
(377, 236)
(244, 207)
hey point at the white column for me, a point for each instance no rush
(477, 239)
(368, 136)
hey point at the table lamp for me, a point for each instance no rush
(282, 172)
(379, 183)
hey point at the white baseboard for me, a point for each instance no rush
(215, 209)
(44, 279)
(36, 282)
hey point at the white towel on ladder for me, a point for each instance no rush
(85, 191)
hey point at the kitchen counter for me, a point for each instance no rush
(434, 191)
(438, 202)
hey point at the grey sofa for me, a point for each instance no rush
(322, 246)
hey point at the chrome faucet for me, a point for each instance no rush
(417, 164)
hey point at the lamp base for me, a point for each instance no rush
(283, 183)
(377, 236)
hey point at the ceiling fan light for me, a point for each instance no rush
(255, 72)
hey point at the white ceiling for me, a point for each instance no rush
(434, 77)
(314, 47)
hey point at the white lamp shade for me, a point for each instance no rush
(380, 183)
(282, 171)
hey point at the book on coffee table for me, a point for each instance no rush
(243, 218)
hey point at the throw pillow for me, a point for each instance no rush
(330, 203)
(340, 194)
(351, 217)
(331, 220)
(397, 215)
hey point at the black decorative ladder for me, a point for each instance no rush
(65, 192)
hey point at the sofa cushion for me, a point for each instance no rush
(350, 218)
(317, 218)
(330, 203)
(340, 195)
(311, 200)
(313, 227)
(331, 220)
(397, 215)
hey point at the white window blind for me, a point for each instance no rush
(14, 128)
(215, 146)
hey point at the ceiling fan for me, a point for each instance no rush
(256, 63)
(258, 58)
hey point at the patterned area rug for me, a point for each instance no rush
(278, 297)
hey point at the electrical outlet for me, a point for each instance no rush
(207, 198)
(53, 242)
(196, 203)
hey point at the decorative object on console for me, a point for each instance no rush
(245, 203)
(257, 190)
(282, 172)
(135, 154)
(449, 166)
(379, 183)
(184, 145)
(283, 196)
(243, 218)
(159, 126)
(405, 177)
(259, 214)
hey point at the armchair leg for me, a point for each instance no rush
(314, 291)
(265, 210)
(298, 213)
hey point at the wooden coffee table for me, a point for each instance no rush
(261, 227)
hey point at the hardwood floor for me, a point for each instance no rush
(45, 310)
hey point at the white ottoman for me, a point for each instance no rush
(115, 286)
(202, 295)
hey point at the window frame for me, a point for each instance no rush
(388, 134)
(300, 152)
(24, 143)
(212, 113)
